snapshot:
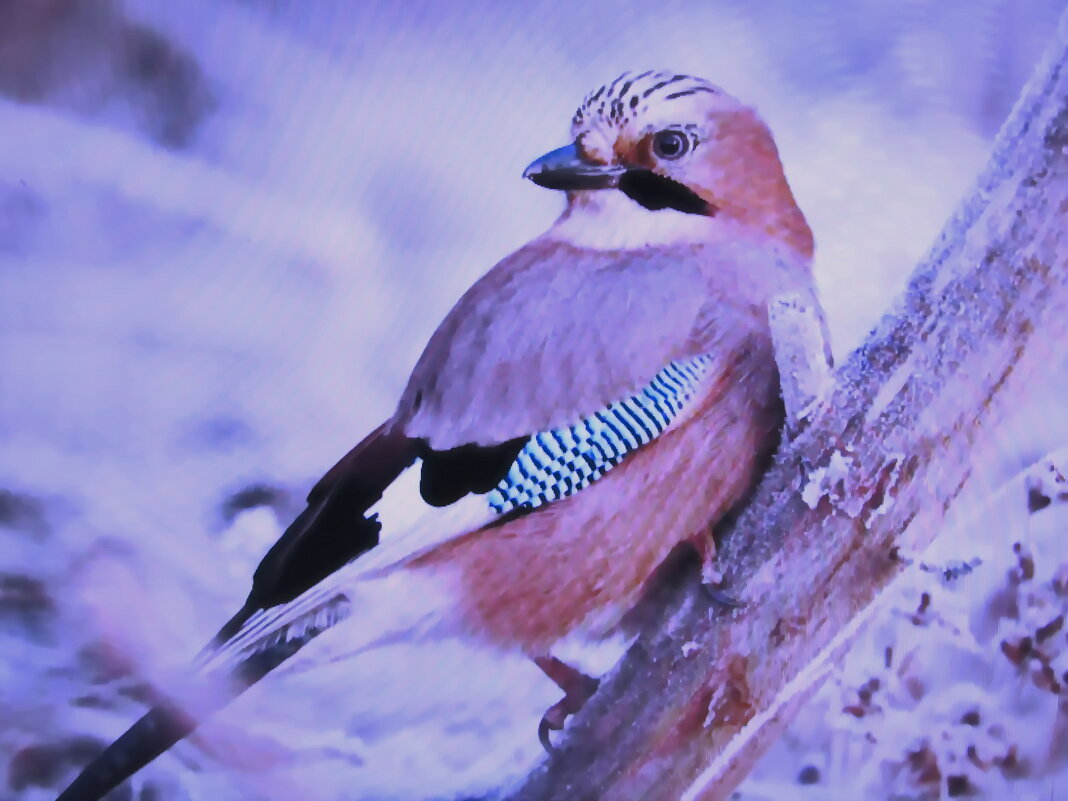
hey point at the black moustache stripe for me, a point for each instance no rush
(656, 192)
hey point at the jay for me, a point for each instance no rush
(603, 394)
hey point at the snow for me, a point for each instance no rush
(219, 261)
(801, 353)
(930, 692)
(826, 481)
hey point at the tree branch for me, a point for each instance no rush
(874, 470)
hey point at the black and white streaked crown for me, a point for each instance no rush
(631, 94)
(558, 463)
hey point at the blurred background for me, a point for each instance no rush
(227, 228)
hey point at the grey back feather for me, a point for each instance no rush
(553, 333)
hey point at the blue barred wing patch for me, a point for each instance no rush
(557, 463)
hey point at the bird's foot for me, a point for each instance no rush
(705, 547)
(577, 687)
(721, 598)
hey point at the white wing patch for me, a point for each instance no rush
(411, 528)
(551, 466)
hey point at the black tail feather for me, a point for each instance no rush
(159, 729)
(167, 723)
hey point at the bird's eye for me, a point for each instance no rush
(670, 145)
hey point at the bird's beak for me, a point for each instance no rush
(567, 168)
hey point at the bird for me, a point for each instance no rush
(598, 399)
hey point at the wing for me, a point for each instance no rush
(515, 397)
(535, 470)
(332, 529)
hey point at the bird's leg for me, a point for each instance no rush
(577, 687)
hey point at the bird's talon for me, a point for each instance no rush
(577, 687)
(553, 720)
(721, 598)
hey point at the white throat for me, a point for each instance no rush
(609, 220)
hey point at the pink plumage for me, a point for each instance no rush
(566, 371)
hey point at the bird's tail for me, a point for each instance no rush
(159, 729)
(330, 532)
(168, 722)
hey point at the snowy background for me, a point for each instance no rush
(226, 230)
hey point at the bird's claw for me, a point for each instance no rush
(577, 687)
(721, 598)
(553, 720)
(710, 576)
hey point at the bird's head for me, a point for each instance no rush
(662, 158)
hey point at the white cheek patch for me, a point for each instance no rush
(606, 219)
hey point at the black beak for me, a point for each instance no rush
(567, 168)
